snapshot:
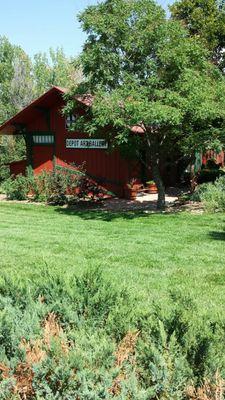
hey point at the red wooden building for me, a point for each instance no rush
(50, 143)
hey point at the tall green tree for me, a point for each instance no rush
(23, 79)
(54, 69)
(16, 91)
(205, 19)
(16, 88)
(145, 70)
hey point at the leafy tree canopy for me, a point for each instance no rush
(23, 79)
(54, 69)
(15, 79)
(206, 19)
(146, 70)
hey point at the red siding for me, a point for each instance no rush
(38, 124)
(219, 158)
(43, 158)
(105, 166)
(18, 167)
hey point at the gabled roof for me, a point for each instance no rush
(32, 110)
(46, 101)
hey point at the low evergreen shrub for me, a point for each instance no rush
(79, 337)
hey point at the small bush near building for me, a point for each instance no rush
(52, 187)
(16, 188)
(4, 173)
(212, 195)
(59, 187)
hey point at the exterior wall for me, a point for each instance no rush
(107, 167)
(219, 158)
(43, 158)
(18, 167)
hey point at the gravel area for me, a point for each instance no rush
(144, 202)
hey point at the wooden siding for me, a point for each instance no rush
(105, 166)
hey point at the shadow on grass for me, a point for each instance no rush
(217, 235)
(108, 216)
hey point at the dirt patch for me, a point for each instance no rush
(193, 207)
(3, 197)
(144, 202)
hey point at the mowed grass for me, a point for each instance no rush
(150, 254)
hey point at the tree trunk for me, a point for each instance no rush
(154, 156)
(161, 202)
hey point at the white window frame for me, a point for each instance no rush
(43, 139)
(69, 121)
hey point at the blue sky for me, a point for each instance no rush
(37, 25)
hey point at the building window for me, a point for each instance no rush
(70, 120)
(43, 139)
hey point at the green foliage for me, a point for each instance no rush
(4, 173)
(15, 92)
(212, 195)
(11, 149)
(54, 69)
(89, 304)
(206, 19)
(146, 70)
(16, 188)
(164, 369)
(155, 73)
(49, 262)
(64, 185)
(57, 187)
(199, 192)
(179, 348)
(72, 352)
(15, 70)
(52, 186)
(21, 79)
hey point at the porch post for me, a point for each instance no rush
(29, 141)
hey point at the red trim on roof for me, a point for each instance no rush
(86, 99)
(9, 128)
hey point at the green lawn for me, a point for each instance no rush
(150, 254)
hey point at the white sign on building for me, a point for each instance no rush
(86, 144)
